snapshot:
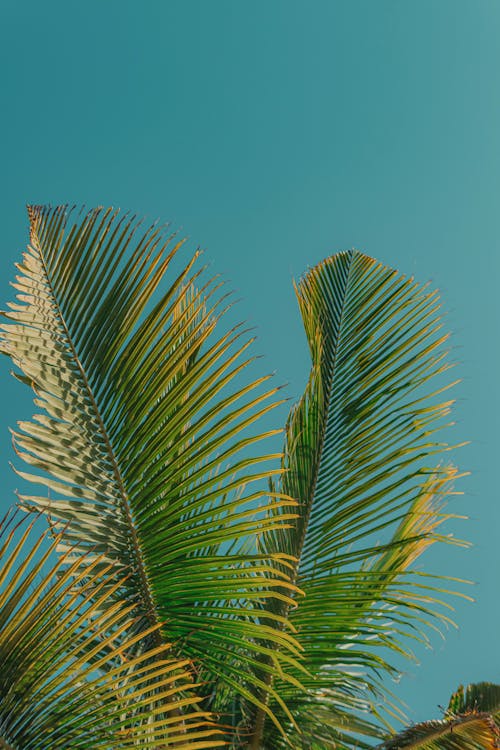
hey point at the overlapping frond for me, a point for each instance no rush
(57, 690)
(361, 458)
(141, 437)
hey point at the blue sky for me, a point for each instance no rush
(274, 133)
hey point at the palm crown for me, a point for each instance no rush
(218, 593)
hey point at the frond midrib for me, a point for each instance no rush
(150, 609)
(326, 404)
(285, 607)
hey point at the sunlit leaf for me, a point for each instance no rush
(71, 675)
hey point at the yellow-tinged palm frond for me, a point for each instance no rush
(362, 459)
(472, 722)
(141, 439)
(71, 674)
(472, 731)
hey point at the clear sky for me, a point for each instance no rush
(274, 133)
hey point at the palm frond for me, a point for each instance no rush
(479, 696)
(361, 458)
(473, 731)
(56, 688)
(142, 440)
(472, 722)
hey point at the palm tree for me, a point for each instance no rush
(280, 584)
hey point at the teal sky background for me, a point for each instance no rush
(275, 133)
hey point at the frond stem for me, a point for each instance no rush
(150, 608)
(260, 716)
(321, 443)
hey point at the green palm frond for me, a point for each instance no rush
(472, 722)
(57, 690)
(141, 439)
(361, 457)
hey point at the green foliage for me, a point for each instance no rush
(268, 591)
(358, 453)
